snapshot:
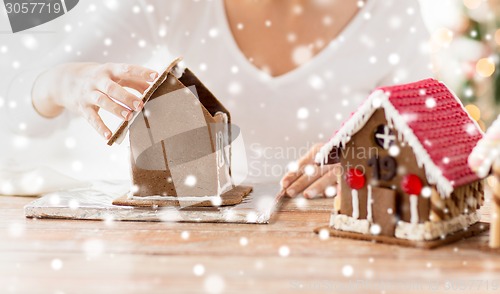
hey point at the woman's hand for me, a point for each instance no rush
(84, 88)
(308, 178)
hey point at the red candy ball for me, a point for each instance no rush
(355, 179)
(411, 184)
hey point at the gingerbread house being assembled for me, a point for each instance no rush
(485, 159)
(180, 146)
(405, 178)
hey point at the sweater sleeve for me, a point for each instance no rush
(97, 32)
(20, 115)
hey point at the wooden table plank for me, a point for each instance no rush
(139, 257)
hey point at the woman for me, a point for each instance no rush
(289, 72)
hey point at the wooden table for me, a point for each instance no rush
(62, 256)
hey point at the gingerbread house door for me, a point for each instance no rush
(384, 209)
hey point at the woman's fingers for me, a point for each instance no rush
(138, 85)
(103, 101)
(303, 182)
(91, 115)
(116, 92)
(132, 72)
(293, 175)
(302, 164)
(318, 188)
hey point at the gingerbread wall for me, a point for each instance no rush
(406, 164)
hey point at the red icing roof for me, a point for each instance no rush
(441, 124)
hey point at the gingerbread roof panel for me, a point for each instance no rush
(441, 124)
(119, 134)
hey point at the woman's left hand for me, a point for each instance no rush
(308, 178)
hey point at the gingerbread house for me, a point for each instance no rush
(485, 159)
(180, 146)
(405, 178)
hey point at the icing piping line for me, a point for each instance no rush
(369, 204)
(355, 203)
(414, 209)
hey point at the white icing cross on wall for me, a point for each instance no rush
(386, 137)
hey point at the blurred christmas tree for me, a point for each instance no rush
(481, 78)
(484, 29)
(495, 5)
(465, 47)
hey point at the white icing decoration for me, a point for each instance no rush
(346, 223)
(222, 152)
(355, 204)
(434, 174)
(369, 204)
(414, 209)
(434, 230)
(404, 230)
(386, 137)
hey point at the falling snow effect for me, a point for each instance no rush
(293, 166)
(234, 88)
(430, 102)
(302, 54)
(109, 220)
(190, 181)
(393, 59)
(70, 142)
(347, 271)
(185, 235)
(16, 230)
(309, 170)
(198, 270)
(316, 82)
(93, 248)
(251, 217)
(284, 251)
(243, 241)
(213, 33)
(56, 264)
(394, 150)
(301, 203)
(324, 234)
(214, 284)
(426, 192)
(30, 42)
(74, 204)
(375, 229)
(331, 191)
(217, 201)
(302, 113)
